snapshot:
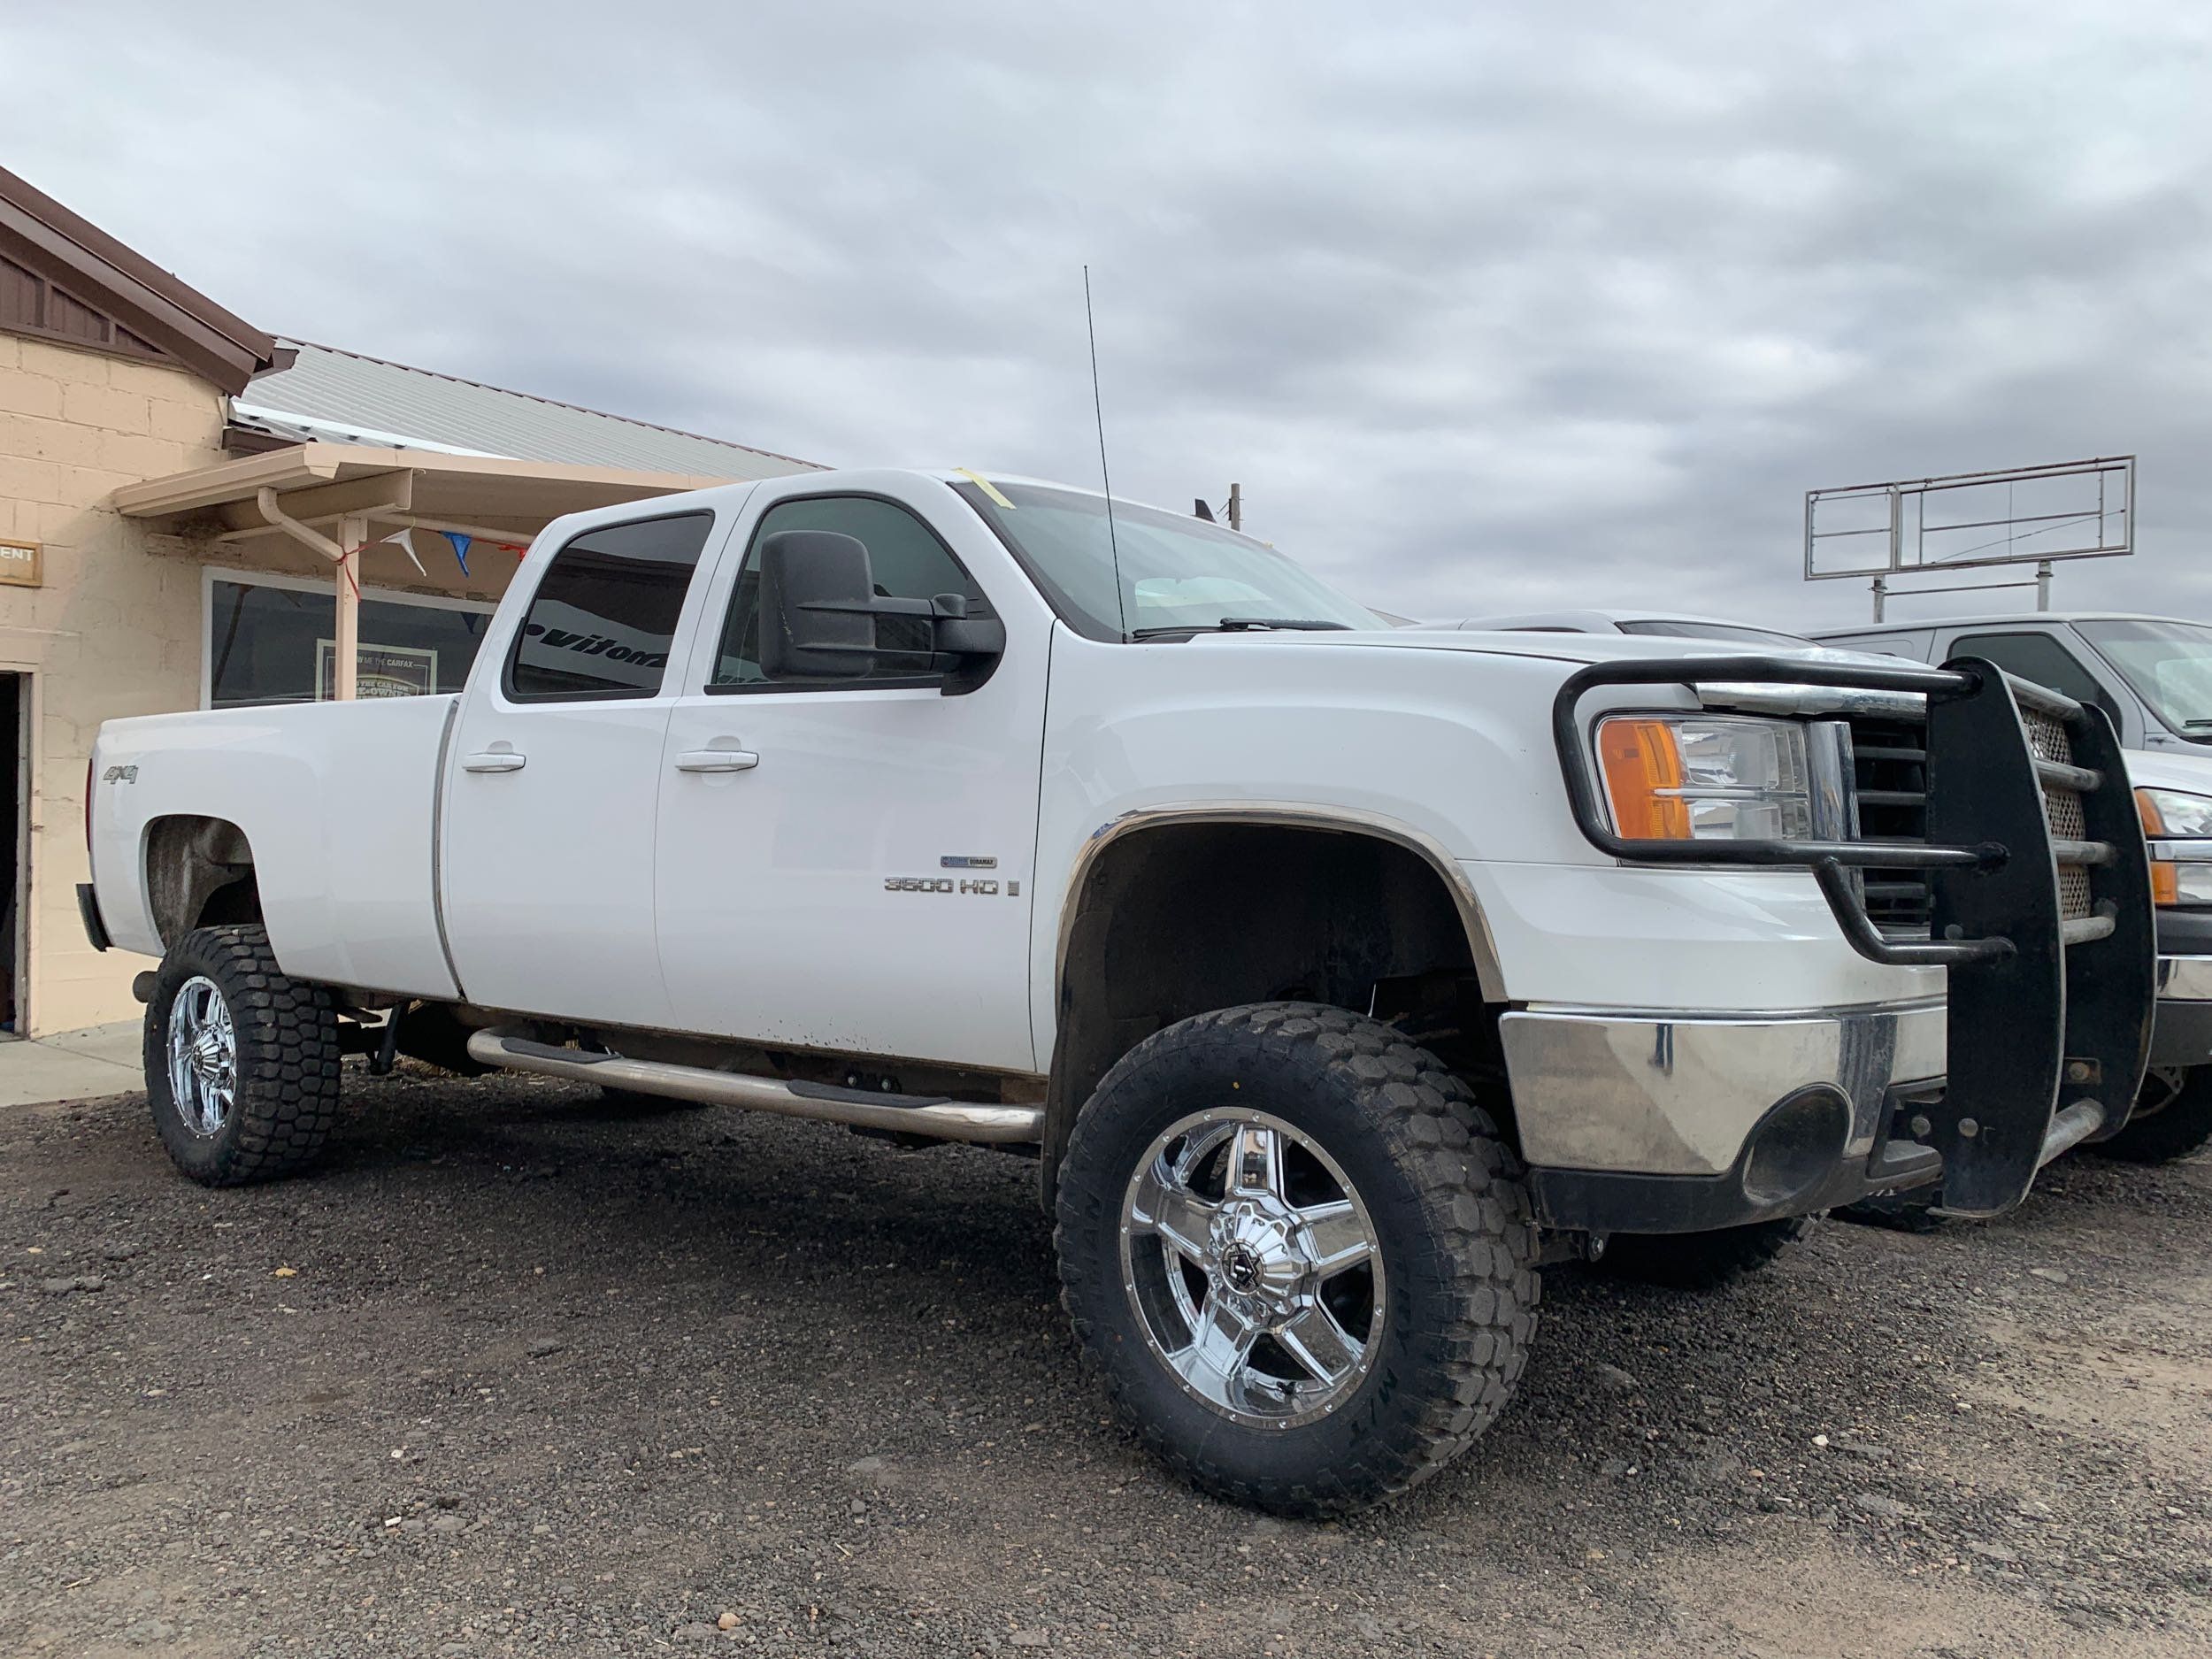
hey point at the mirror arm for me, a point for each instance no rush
(954, 633)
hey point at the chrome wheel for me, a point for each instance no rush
(1253, 1267)
(203, 1057)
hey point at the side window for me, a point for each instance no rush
(2039, 658)
(604, 618)
(905, 558)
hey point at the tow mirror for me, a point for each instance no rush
(817, 599)
(821, 617)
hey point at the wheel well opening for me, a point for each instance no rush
(199, 873)
(1182, 919)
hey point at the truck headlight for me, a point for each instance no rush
(2178, 826)
(1703, 777)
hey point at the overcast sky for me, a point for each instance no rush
(1557, 305)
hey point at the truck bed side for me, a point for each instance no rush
(338, 803)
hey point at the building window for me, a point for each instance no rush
(273, 640)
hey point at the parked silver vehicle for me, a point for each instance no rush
(2153, 676)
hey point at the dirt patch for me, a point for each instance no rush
(515, 1374)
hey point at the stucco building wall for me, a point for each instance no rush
(113, 630)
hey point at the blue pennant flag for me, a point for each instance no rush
(460, 549)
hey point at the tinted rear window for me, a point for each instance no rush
(603, 619)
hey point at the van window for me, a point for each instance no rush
(604, 618)
(2039, 658)
(2169, 664)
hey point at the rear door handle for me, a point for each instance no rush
(717, 760)
(495, 760)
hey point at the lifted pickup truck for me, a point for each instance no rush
(1336, 975)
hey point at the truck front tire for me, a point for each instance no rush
(1299, 1254)
(241, 1063)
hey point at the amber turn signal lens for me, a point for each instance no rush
(2165, 877)
(1639, 759)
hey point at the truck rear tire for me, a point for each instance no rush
(2172, 1118)
(241, 1063)
(1299, 1254)
(1699, 1261)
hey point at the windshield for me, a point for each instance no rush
(1729, 631)
(2167, 664)
(1176, 573)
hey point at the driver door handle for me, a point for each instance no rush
(495, 760)
(717, 760)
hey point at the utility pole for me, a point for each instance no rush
(1236, 507)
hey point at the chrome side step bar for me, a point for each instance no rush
(902, 1114)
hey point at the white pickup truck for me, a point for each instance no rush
(1336, 975)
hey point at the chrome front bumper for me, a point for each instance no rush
(2183, 1034)
(1664, 1121)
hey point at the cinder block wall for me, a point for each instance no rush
(114, 631)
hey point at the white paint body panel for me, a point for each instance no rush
(1444, 739)
(548, 878)
(1612, 936)
(549, 870)
(775, 923)
(336, 799)
(2170, 769)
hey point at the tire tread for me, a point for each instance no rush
(1468, 1183)
(286, 1102)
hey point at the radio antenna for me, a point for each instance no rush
(1098, 410)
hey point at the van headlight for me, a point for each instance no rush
(1703, 777)
(2178, 826)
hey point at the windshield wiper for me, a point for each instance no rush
(2196, 723)
(1242, 624)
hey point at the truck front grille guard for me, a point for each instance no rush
(2050, 1002)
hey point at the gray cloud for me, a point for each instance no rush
(1485, 312)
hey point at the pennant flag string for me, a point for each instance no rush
(404, 540)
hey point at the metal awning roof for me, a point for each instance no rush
(326, 395)
(326, 483)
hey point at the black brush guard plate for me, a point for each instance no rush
(2048, 1027)
(2033, 1025)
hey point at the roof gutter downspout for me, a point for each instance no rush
(345, 554)
(266, 499)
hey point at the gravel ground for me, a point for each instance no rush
(517, 1374)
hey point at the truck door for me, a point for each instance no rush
(551, 775)
(847, 865)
